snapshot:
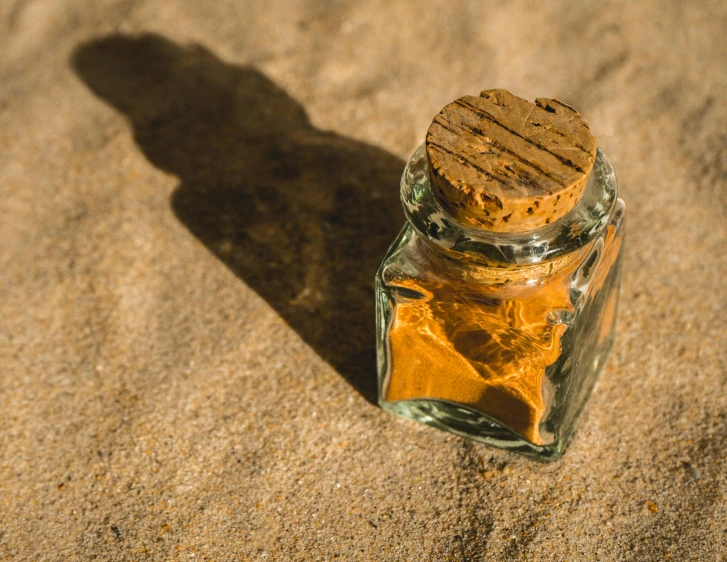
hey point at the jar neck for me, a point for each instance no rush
(537, 251)
(465, 267)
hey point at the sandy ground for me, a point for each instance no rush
(190, 221)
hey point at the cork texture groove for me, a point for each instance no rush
(503, 163)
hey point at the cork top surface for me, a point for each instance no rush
(502, 163)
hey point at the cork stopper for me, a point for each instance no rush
(505, 164)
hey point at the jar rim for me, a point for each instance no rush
(569, 233)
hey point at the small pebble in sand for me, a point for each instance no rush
(693, 471)
(652, 506)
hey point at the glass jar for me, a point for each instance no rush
(498, 336)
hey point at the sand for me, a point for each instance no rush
(195, 197)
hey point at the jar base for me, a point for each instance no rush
(474, 425)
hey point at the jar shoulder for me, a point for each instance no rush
(410, 259)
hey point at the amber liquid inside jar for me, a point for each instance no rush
(499, 337)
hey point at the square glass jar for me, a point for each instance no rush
(499, 337)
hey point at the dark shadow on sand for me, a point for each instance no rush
(303, 216)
